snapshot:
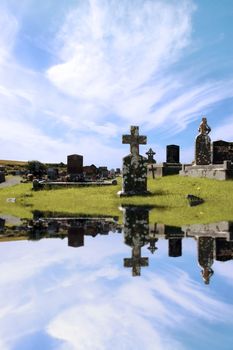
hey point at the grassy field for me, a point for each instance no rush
(12, 162)
(168, 197)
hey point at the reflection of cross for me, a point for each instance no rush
(136, 262)
(134, 140)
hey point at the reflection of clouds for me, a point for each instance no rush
(87, 300)
(224, 269)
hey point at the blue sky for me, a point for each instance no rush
(74, 75)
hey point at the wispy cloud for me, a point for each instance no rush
(116, 65)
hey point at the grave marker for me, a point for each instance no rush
(134, 172)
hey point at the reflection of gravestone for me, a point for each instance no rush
(136, 229)
(75, 236)
(203, 144)
(206, 256)
(134, 171)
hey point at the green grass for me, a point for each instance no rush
(168, 197)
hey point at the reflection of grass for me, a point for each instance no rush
(171, 206)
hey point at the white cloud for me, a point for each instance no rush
(8, 29)
(115, 67)
(223, 131)
(110, 49)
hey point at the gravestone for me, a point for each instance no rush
(52, 173)
(103, 171)
(2, 177)
(2, 224)
(134, 170)
(89, 171)
(173, 154)
(203, 144)
(136, 230)
(74, 164)
(150, 155)
(221, 151)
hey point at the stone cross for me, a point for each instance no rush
(136, 262)
(150, 155)
(134, 139)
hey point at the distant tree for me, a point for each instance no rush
(36, 168)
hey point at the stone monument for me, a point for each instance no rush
(203, 144)
(213, 162)
(134, 170)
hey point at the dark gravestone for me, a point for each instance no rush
(2, 177)
(103, 172)
(2, 224)
(222, 151)
(75, 236)
(52, 173)
(173, 154)
(203, 144)
(136, 230)
(74, 164)
(150, 155)
(134, 171)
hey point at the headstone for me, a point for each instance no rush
(2, 177)
(89, 171)
(150, 155)
(2, 224)
(203, 144)
(136, 229)
(222, 151)
(173, 154)
(103, 172)
(52, 173)
(134, 170)
(74, 164)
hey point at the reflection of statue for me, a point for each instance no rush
(204, 128)
(207, 272)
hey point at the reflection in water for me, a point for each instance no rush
(214, 241)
